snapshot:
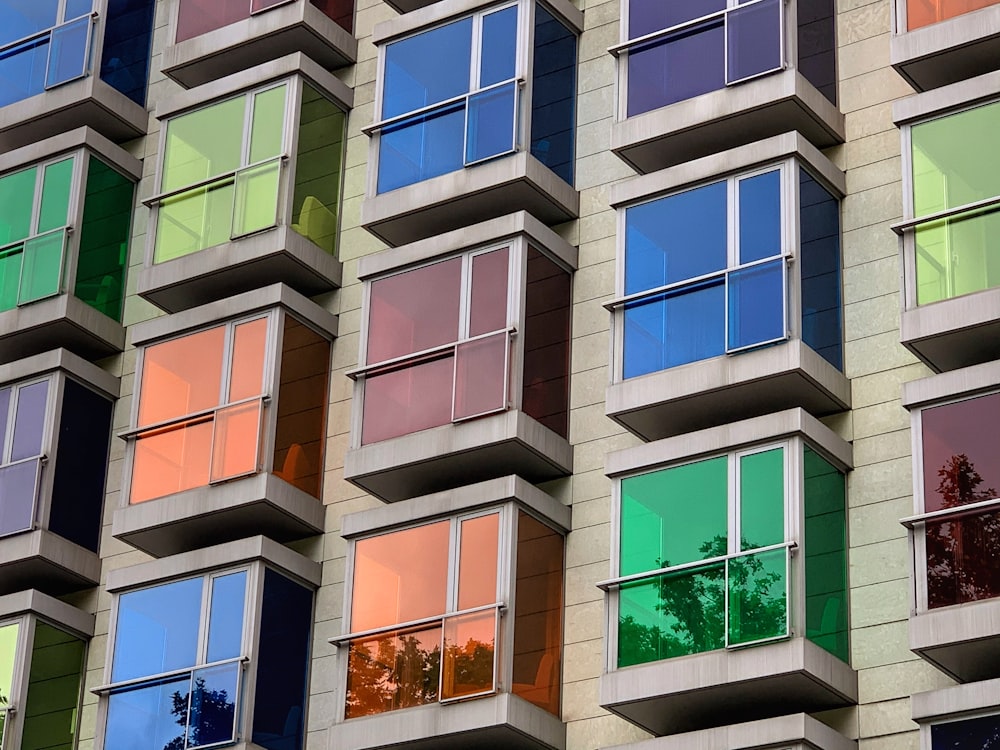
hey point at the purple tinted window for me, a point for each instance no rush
(754, 39)
(17, 496)
(29, 422)
(648, 16)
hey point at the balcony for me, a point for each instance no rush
(465, 356)
(700, 617)
(65, 223)
(447, 153)
(939, 42)
(751, 322)
(951, 280)
(234, 214)
(228, 426)
(955, 622)
(212, 40)
(57, 410)
(69, 64)
(792, 732)
(695, 79)
(454, 661)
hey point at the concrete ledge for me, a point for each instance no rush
(952, 50)
(280, 254)
(963, 641)
(260, 504)
(451, 455)
(507, 184)
(35, 602)
(956, 332)
(295, 27)
(909, 109)
(420, 14)
(793, 732)
(728, 388)
(60, 359)
(497, 722)
(82, 137)
(969, 381)
(64, 321)
(725, 119)
(43, 560)
(951, 702)
(688, 693)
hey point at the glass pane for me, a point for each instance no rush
(481, 376)
(499, 52)
(246, 372)
(760, 216)
(22, 69)
(971, 734)
(56, 184)
(29, 421)
(647, 16)
(18, 491)
(157, 630)
(819, 270)
(17, 194)
(676, 238)
(488, 304)
(393, 671)
(672, 615)
(340, 11)
(235, 441)
(817, 45)
(682, 326)
(225, 619)
(753, 36)
(21, 18)
(427, 68)
(662, 525)
(128, 34)
(758, 602)
(181, 376)
(400, 576)
(762, 499)
(53, 689)
(171, 460)
(203, 143)
(212, 717)
(662, 73)
(268, 124)
(490, 130)
(962, 557)
(197, 17)
(477, 562)
(256, 205)
(415, 398)
(469, 643)
(76, 8)
(316, 199)
(41, 274)
(553, 95)
(68, 54)
(194, 220)
(413, 311)
(926, 12)
(8, 655)
(757, 304)
(10, 277)
(151, 716)
(421, 147)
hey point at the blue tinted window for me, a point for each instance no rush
(144, 717)
(760, 216)
(128, 33)
(22, 18)
(225, 622)
(756, 304)
(22, 70)
(421, 147)
(490, 129)
(499, 54)
(68, 55)
(157, 630)
(427, 68)
(76, 8)
(675, 238)
(212, 717)
(819, 266)
(553, 92)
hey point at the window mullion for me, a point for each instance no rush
(454, 557)
(201, 656)
(248, 112)
(476, 56)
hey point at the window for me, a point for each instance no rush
(722, 578)
(50, 699)
(214, 405)
(197, 17)
(706, 271)
(238, 167)
(442, 112)
(955, 200)
(50, 244)
(957, 480)
(51, 42)
(676, 51)
(429, 607)
(461, 338)
(182, 667)
(921, 13)
(983, 732)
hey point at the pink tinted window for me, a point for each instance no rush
(402, 401)
(196, 17)
(414, 311)
(480, 376)
(488, 309)
(340, 11)
(477, 561)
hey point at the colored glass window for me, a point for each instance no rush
(23, 410)
(128, 36)
(8, 658)
(925, 12)
(197, 17)
(955, 164)
(982, 732)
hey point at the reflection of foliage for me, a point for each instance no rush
(470, 666)
(963, 555)
(693, 602)
(213, 716)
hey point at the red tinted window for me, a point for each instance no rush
(488, 310)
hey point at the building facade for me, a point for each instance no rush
(501, 374)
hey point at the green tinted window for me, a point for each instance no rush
(41, 267)
(56, 183)
(8, 655)
(203, 144)
(17, 197)
(757, 597)
(267, 124)
(762, 499)
(50, 717)
(316, 198)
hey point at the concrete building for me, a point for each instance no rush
(499, 374)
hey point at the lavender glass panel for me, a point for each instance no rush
(753, 39)
(17, 496)
(480, 376)
(29, 422)
(679, 66)
(414, 398)
(647, 16)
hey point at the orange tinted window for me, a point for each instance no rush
(247, 378)
(181, 376)
(400, 577)
(469, 644)
(477, 564)
(925, 12)
(395, 670)
(171, 460)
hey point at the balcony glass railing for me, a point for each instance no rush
(32, 65)
(32, 269)
(19, 494)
